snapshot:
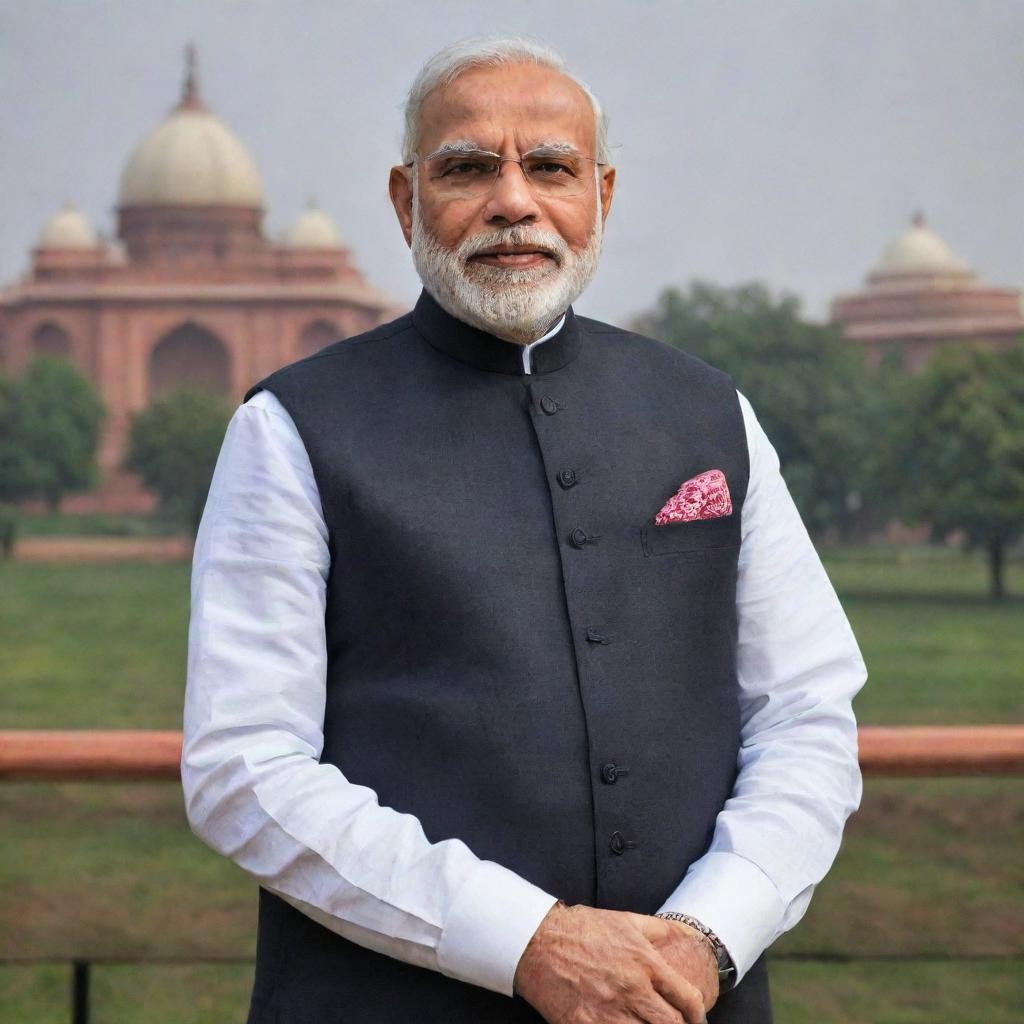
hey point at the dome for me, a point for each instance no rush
(69, 228)
(191, 158)
(313, 230)
(919, 250)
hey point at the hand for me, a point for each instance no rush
(589, 966)
(688, 952)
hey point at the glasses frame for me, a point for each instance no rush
(511, 160)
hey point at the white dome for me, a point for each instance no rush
(919, 250)
(69, 228)
(191, 158)
(313, 230)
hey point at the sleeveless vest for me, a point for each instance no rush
(516, 654)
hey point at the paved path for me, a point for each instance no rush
(102, 549)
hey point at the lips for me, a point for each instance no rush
(514, 256)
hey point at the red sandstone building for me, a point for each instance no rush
(192, 291)
(920, 297)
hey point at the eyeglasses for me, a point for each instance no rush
(467, 173)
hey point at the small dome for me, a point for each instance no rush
(191, 159)
(919, 250)
(69, 228)
(313, 230)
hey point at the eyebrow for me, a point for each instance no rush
(547, 148)
(457, 146)
(553, 147)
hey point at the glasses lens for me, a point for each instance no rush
(556, 175)
(463, 174)
(473, 174)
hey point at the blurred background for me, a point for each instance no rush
(821, 198)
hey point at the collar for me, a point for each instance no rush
(485, 351)
(528, 349)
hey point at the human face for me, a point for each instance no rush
(508, 260)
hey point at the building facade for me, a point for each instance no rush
(921, 297)
(191, 292)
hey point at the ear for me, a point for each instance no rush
(607, 186)
(400, 190)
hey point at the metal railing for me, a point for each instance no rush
(125, 755)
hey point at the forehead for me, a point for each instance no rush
(521, 103)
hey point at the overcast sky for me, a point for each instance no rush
(784, 141)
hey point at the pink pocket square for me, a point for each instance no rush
(705, 496)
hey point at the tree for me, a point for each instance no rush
(173, 445)
(958, 460)
(811, 390)
(50, 422)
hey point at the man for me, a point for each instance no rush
(506, 635)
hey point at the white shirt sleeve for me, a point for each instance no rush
(799, 668)
(253, 733)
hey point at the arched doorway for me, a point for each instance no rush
(315, 335)
(51, 340)
(189, 355)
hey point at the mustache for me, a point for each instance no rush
(545, 241)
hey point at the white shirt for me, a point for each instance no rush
(253, 732)
(528, 348)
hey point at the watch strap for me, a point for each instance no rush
(726, 968)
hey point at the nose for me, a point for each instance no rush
(511, 200)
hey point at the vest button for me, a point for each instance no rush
(610, 772)
(578, 538)
(597, 638)
(549, 405)
(617, 843)
(567, 477)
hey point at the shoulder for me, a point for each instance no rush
(341, 356)
(659, 354)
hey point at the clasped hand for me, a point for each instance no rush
(590, 966)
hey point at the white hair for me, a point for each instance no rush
(485, 52)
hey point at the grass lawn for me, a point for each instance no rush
(53, 524)
(938, 650)
(929, 867)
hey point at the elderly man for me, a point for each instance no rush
(514, 678)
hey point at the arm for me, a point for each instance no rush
(799, 668)
(253, 733)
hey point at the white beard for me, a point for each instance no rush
(518, 304)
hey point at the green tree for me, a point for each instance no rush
(173, 446)
(50, 423)
(958, 459)
(811, 390)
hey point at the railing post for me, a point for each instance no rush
(80, 992)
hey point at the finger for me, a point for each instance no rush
(655, 1017)
(680, 994)
(660, 1012)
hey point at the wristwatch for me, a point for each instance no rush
(726, 968)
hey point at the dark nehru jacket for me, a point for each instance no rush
(555, 675)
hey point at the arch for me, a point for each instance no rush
(189, 355)
(315, 336)
(50, 340)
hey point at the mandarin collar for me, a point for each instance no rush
(485, 351)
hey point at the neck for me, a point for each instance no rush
(525, 337)
(478, 346)
(519, 334)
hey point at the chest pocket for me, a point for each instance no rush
(699, 538)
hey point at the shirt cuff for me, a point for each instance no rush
(490, 923)
(735, 899)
